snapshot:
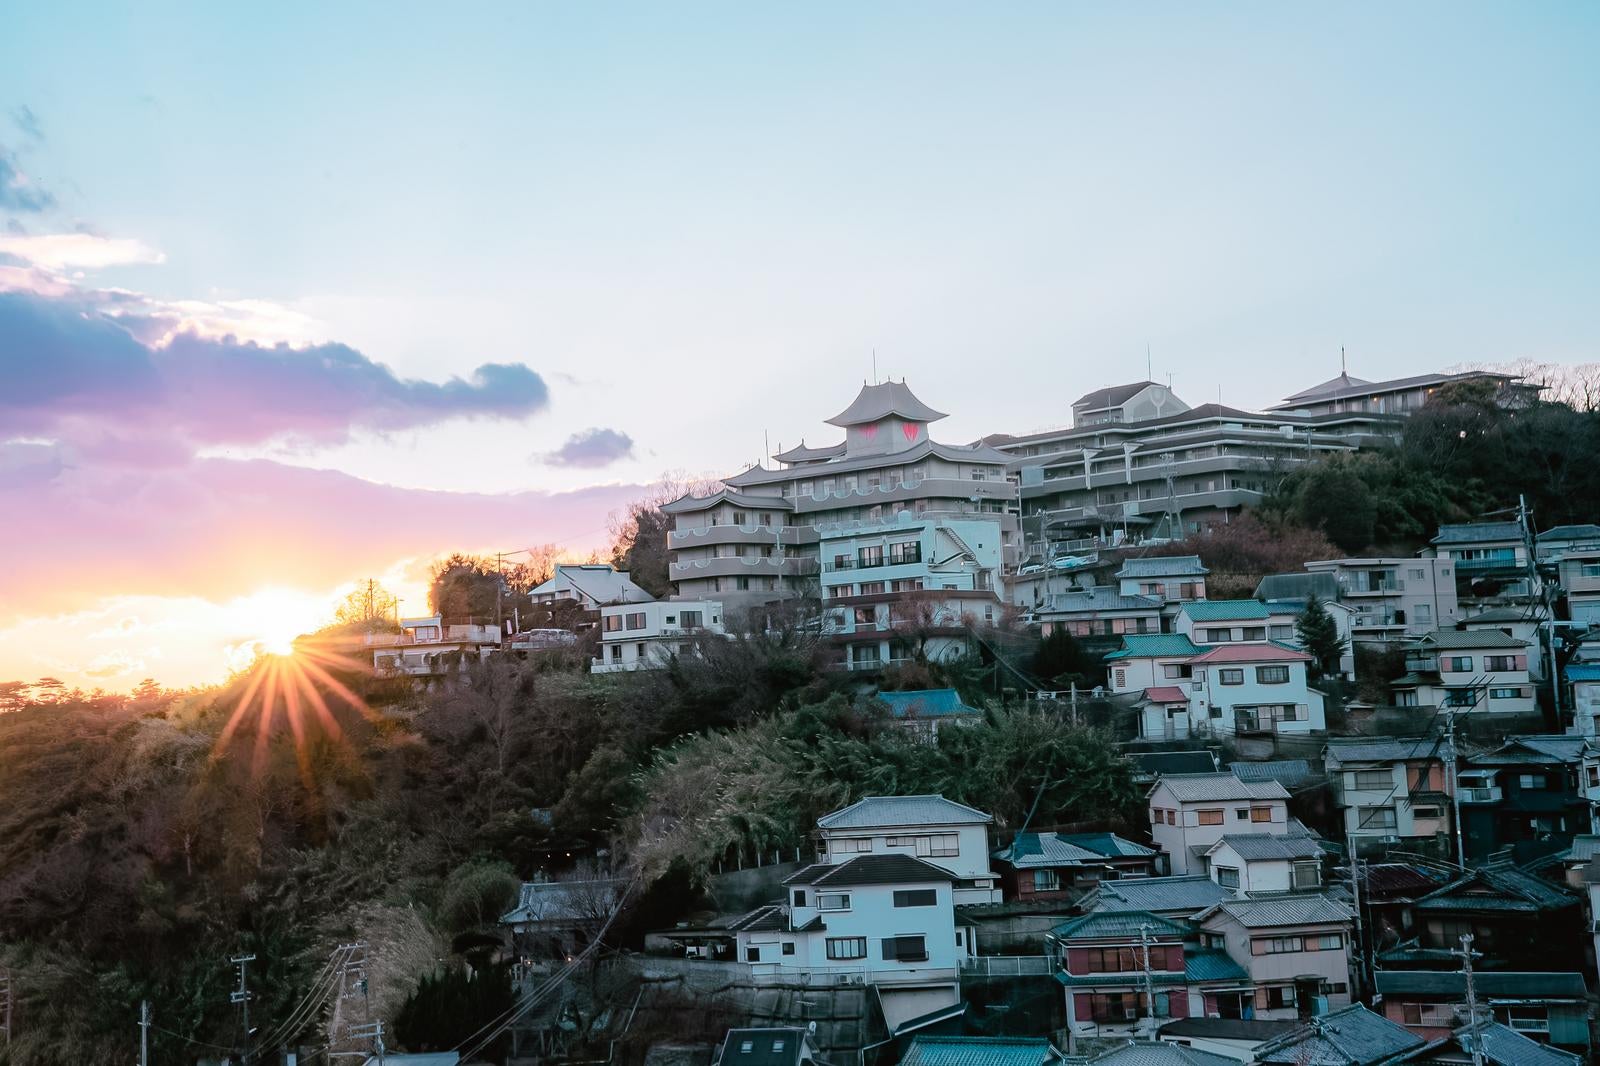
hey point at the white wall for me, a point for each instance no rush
(971, 862)
(872, 915)
(1177, 840)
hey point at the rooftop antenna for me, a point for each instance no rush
(1148, 374)
(1344, 371)
(875, 366)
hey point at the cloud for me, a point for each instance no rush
(28, 123)
(592, 448)
(17, 191)
(62, 251)
(79, 374)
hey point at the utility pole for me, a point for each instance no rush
(144, 1033)
(1467, 954)
(5, 1003)
(1455, 790)
(241, 996)
(499, 590)
(1149, 1025)
(1361, 946)
(375, 1031)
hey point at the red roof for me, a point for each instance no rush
(1252, 653)
(1166, 694)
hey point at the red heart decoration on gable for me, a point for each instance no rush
(869, 432)
(910, 429)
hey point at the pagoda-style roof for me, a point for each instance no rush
(876, 402)
(803, 454)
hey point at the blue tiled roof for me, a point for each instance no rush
(925, 1050)
(1212, 966)
(1101, 925)
(1163, 566)
(927, 703)
(1107, 844)
(1352, 1036)
(1138, 645)
(1225, 610)
(1030, 850)
(1583, 672)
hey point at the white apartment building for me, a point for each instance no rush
(950, 835)
(1244, 689)
(1483, 672)
(1190, 813)
(760, 538)
(1579, 575)
(646, 636)
(429, 647)
(1389, 790)
(1395, 598)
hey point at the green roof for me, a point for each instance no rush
(1140, 645)
(1212, 966)
(926, 1050)
(1116, 924)
(1225, 610)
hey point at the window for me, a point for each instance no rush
(1119, 678)
(1530, 782)
(866, 557)
(1372, 779)
(872, 588)
(635, 619)
(1230, 677)
(1046, 881)
(616, 653)
(1456, 664)
(905, 948)
(1459, 697)
(1155, 815)
(1505, 693)
(847, 947)
(747, 1046)
(1424, 612)
(835, 901)
(938, 845)
(1255, 632)
(1276, 945)
(1281, 632)
(1526, 1019)
(1306, 875)
(638, 650)
(1172, 817)
(1375, 817)
(856, 844)
(741, 584)
(1114, 1006)
(1436, 1014)
(1425, 812)
(1218, 636)
(1241, 813)
(788, 947)
(1277, 998)
(909, 552)
(689, 619)
(1227, 876)
(613, 623)
(799, 897)
(1272, 675)
(1175, 671)
(1261, 814)
(1499, 662)
(1210, 817)
(752, 954)
(916, 897)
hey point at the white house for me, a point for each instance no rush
(587, 585)
(1483, 671)
(428, 647)
(1266, 862)
(1172, 579)
(1296, 949)
(1583, 680)
(646, 636)
(1394, 597)
(1151, 660)
(1579, 575)
(950, 835)
(1242, 689)
(1189, 813)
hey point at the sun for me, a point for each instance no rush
(277, 617)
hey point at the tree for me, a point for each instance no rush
(453, 1005)
(1319, 635)
(639, 534)
(465, 586)
(1241, 552)
(476, 894)
(1333, 499)
(1062, 658)
(369, 607)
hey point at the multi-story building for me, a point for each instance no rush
(1266, 862)
(1099, 614)
(1548, 1007)
(1391, 790)
(431, 647)
(950, 835)
(1578, 573)
(646, 636)
(1556, 543)
(1394, 598)
(587, 586)
(1491, 562)
(1479, 671)
(1244, 689)
(1583, 690)
(1295, 948)
(1529, 794)
(765, 535)
(1191, 812)
(1401, 396)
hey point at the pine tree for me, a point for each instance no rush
(1319, 635)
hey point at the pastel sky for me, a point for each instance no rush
(295, 294)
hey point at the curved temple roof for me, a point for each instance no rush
(880, 401)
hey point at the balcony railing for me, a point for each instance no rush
(1490, 794)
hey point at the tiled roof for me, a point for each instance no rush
(767, 1047)
(1559, 748)
(1501, 615)
(890, 869)
(1174, 762)
(1461, 639)
(1142, 645)
(1159, 1053)
(1099, 598)
(1225, 610)
(598, 582)
(926, 1050)
(1159, 895)
(1030, 850)
(803, 454)
(1267, 912)
(1389, 880)
(1211, 965)
(1570, 533)
(1255, 1030)
(1111, 395)
(765, 918)
(1103, 925)
(557, 901)
(1383, 749)
(1163, 566)
(1583, 672)
(1200, 788)
(928, 703)
(1331, 386)
(1166, 694)
(688, 503)
(1263, 847)
(1351, 1036)
(1511, 890)
(879, 401)
(1506, 1047)
(896, 811)
(1477, 532)
(1252, 653)
(1452, 983)
(1286, 772)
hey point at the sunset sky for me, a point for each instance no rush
(293, 295)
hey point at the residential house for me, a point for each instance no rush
(925, 711)
(647, 636)
(1482, 672)
(1583, 689)
(1296, 949)
(557, 919)
(1517, 920)
(1165, 897)
(1211, 622)
(1244, 689)
(1391, 791)
(1491, 562)
(1110, 962)
(1266, 862)
(1036, 867)
(1488, 1043)
(1160, 1053)
(934, 1050)
(1173, 579)
(1393, 598)
(431, 647)
(1233, 1039)
(1191, 812)
(1404, 396)
(1149, 765)
(1099, 614)
(1352, 1036)
(1283, 616)
(950, 835)
(1523, 623)
(1551, 1008)
(1555, 544)
(587, 587)
(1147, 661)
(1578, 573)
(1528, 794)
(776, 1046)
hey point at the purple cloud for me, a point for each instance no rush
(17, 192)
(592, 448)
(75, 372)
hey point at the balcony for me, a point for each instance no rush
(1486, 794)
(744, 566)
(706, 536)
(838, 565)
